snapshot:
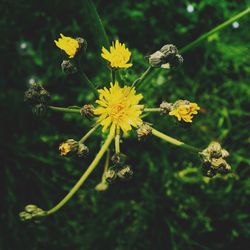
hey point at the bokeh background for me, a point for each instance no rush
(168, 204)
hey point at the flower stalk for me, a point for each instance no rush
(152, 110)
(66, 110)
(85, 175)
(117, 141)
(91, 131)
(174, 141)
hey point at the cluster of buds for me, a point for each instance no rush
(119, 169)
(143, 130)
(167, 57)
(38, 98)
(213, 160)
(30, 212)
(87, 111)
(72, 146)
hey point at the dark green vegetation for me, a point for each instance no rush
(159, 208)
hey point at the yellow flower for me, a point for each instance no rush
(68, 146)
(68, 44)
(184, 110)
(119, 108)
(118, 56)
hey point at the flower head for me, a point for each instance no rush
(69, 146)
(68, 44)
(118, 56)
(119, 107)
(184, 110)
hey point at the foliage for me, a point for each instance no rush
(168, 204)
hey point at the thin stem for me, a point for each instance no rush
(106, 165)
(85, 174)
(174, 141)
(86, 136)
(142, 77)
(86, 79)
(117, 141)
(214, 30)
(67, 110)
(152, 110)
(113, 71)
(153, 74)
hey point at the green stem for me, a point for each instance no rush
(117, 141)
(153, 74)
(85, 137)
(106, 165)
(67, 110)
(86, 79)
(85, 174)
(152, 110)
(214, 30)
(174, 141)
(142, 77)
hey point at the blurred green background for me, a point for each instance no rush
(168, 204)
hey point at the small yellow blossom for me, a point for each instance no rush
(64, 148)
(119, 108)
(184, 110)
(68, 44)
(118, 56)
(69, 146)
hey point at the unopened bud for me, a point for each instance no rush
(83, 150)
(156, 59)
(143, 130)
(169, 51)
(87, 111)
(36, 94)
(110, 175)
(125, 173)
(176, 62)
(166, 107)
(68, 146)
(68, 67)
(118, 159)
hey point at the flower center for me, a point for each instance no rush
(117, 110)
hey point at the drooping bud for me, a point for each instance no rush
(176, 62)
(83, 150)
(143, 130)
(118, 159)
(156, 59)
(87, 111)
(110, 175)
(125, 173)
(169, 51)
(68, 67)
